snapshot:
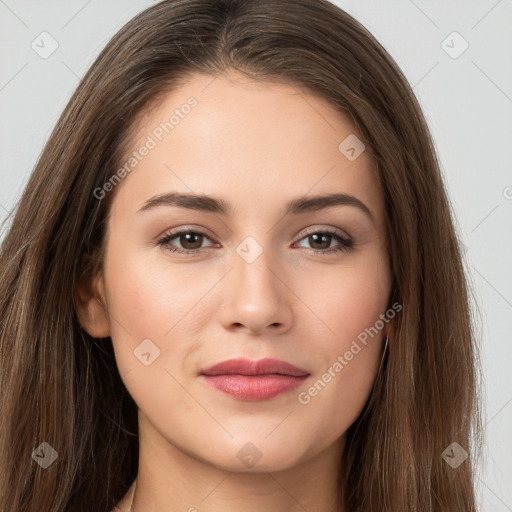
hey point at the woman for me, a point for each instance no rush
(312, 349)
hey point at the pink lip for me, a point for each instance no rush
(254, 380)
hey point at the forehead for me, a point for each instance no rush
(263, 140)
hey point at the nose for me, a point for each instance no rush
(256, 296)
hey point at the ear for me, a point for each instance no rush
(91, 306)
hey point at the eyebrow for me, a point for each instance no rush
(216, 205)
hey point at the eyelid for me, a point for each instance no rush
(337, 231)
(186, 229)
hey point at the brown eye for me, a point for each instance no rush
(187, 241)
(190, 240)
(320, 241)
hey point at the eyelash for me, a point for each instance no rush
(346, 243)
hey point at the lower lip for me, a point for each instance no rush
(256, 387)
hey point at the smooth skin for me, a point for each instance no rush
(256, 146)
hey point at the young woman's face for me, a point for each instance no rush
(250, 281)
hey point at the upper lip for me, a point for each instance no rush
(243, 366)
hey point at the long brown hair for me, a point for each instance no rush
(60, 386)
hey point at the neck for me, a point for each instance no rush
(191, 485)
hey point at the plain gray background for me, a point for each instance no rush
(466, 97)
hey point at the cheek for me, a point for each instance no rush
(150, 294)
(346, 299)
(150, 309)
(150, 299)
(348, 346)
